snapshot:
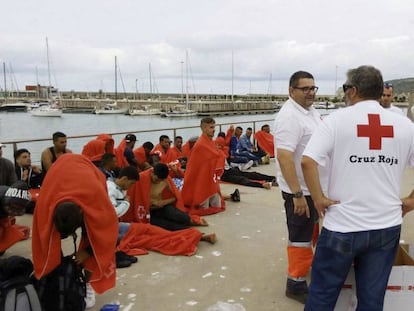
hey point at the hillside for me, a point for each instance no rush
(402, 85)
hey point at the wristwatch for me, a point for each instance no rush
(298, 195)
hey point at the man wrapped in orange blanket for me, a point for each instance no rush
(73, 179)
(265, 140)
(201, 190)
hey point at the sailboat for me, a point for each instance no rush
(113, 108)
(51, 107)
(182, 110)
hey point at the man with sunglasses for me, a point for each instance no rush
(387, 97)
(293, 127)
(366, 150)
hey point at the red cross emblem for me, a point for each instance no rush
(375, 131)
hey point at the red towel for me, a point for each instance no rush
(74, 178)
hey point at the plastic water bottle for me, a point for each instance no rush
(109, 307)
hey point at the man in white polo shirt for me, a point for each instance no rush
(367, 148)
(293, 127)
(386, 99)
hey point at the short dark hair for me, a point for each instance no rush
(148, 145)
(57, 135)
(19, 152)
(367, 80)
(265, 125)
(207, 120)
(239, 127)
(294, 79)
(249, 129)
(162, 137)
(67, 218)
(130, 172)
(178, 137)
(221, 134)
(161, 170)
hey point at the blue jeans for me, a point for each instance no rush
(372, 253)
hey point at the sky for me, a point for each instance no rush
(202, 46)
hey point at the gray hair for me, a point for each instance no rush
(367, 80)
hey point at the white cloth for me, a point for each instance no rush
(293, 128)
(117, 197)
(365, 179)
(395, 109)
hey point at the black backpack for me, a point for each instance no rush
(16, 290)
(64, 288)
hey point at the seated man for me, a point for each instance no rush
(30, 174)
(51, 154)
(245, 148)
(13, 202)
(265, 140)
(75, 188)
(117, 188)
(124, 152)
(96, 148)
(108, 165)
(143, 155)
(163, 200)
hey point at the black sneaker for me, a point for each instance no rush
(121, 260)
(235, 196)
(297, 290)
(124, 256)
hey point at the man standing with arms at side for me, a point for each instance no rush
(293, 128)
(367, 148)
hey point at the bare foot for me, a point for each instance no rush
(201, 222)
(210, 238)
(267, 185)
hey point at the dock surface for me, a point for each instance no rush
(246, 268)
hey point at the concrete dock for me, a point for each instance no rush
(244, 270)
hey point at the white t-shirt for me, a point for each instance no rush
(367, 148)
(293, 128)
(117, 197)
(396, 110)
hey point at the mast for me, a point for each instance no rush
(150, 78)
(116, 80)
(48, 69)
(232, 77)
(186, 78)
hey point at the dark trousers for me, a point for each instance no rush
(250, 179)
(169, 217)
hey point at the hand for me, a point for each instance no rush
(81, 256)
(323, 204)
(407, 205)
(301, 207)
(157, 203)
(37, 169)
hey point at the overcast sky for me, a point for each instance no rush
(268, 40)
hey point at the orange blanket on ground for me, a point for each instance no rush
(201, 179)
(141, 238)
(266, 142)
(11, 233)
(74, 178)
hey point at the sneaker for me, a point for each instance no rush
(235, 196)
(121, 259)
(297, 290)
(90, 296)
(274, 183)
(246, 166)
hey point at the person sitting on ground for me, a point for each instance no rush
(265, 140)
(124, 152)
(74, 195)
(51, 154)
(30, 174)
(187, 149)
(13, 202)
(143, 155)
(201, 190)
(234, 160)
(108, 165)
(117, 188)
(245, 148)
(177, 149)
(96, 148)
(164, 202)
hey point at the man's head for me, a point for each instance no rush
(22, 158)
(160, 172)
(208, 127)
(249, 132)
(387, 95)
(238, 131)
(130, 140)
(266, 128)
(178, 142)
(67, 218)
(127, 176)
(165, 142)
(148, 146)
(59, 141)
(108, 161)
(363, 83)
(302, 88)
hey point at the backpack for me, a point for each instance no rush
(16, 290)
(64, 288)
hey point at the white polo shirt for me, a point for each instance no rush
(293, 128)
(396, 109)
(368, 148)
